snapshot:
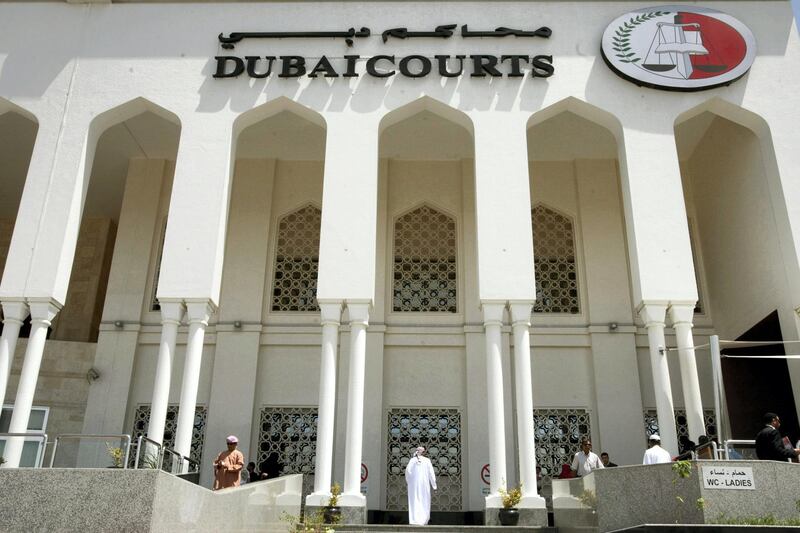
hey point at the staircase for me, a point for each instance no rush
(400, 528)
(451, 522)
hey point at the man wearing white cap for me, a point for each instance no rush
(420, 478)
(655, 454)
(228, 465)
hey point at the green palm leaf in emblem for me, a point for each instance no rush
(622, 39)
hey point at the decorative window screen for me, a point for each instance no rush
(291, 432)
(294, 285)
(141, 419)
(439, 430)
(558, 433)
(425, 266)
(154, 305)
(681, 424)
(554, 262)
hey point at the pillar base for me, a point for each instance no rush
(352, 512)
(532, 502)
(318, 499)
(527, 517)
(314, 512)
(352, 500)
(494, 501)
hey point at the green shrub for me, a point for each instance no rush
(766, 520)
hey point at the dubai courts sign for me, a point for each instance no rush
(679, 48)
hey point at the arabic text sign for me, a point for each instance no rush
(728, 477)
(383, 65)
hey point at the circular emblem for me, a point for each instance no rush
(680, 48)
(364, 472)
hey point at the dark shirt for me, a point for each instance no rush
(770, 446)
(610, 465)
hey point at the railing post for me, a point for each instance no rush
(127, 451)
(55, 449)
(719, 385)
(44, 450)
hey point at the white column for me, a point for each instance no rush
(653, 316)
(14, 314)
(171, 314)
(493, 322)
(682, 316)
(521, 320)
(359, 319)
(126, 295)
(197, 314)
(349, 200)
(660, 251)
(194, 243)
(42, 313)
(330, 316)
(503, 234)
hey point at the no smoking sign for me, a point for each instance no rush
(485, 474)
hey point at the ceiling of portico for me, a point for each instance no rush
(282, 136)
(688, 134)
(426, 136)
(568, 136)
(143, 136)
(17, 135)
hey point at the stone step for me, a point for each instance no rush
(400, 528)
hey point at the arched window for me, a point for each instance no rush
(554, 262)
(425, 267)
(294, 285)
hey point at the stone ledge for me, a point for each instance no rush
(97, 499)
(527, 517)
(629, 496)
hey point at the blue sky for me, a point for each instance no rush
(796, 6)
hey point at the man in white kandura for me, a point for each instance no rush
(420, 478)
(655, 454)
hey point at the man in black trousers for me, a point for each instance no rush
(770, 445)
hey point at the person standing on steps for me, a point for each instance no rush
(655, 454)
(420, 478)
(585, 459)
(769, 444)
(606, 460)
(228, 465)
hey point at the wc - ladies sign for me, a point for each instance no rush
(680, 48)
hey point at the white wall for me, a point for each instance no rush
(175, 74)
(85, 60)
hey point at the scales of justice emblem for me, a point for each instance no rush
(678, 47)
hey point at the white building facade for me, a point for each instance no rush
(339, 264)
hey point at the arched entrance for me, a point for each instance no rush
(582, 277)
(270, 278)
(425, 263)
(749, 264)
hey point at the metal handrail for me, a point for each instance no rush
(726, 446)
(180, 457)
(38, 436)
(81, 436)
(139, 441)
(710, 444)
